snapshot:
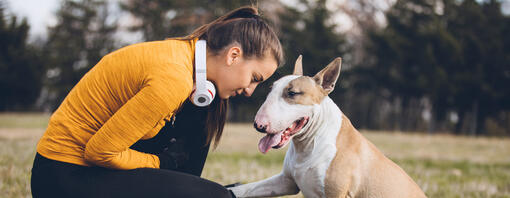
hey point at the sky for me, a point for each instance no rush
(40, 13)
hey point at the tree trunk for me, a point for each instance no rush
(460, 122)
(474, 121)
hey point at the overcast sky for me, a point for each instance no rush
(40, 13)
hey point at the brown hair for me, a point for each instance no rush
(245, 27)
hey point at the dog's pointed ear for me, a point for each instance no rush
(328, 76)
(298, 67)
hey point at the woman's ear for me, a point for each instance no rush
(233, 54)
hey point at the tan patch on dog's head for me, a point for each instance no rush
(303, 90)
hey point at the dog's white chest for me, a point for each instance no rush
(311, 180)
(309, 174)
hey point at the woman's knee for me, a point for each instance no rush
(180, 184)
(216, 190)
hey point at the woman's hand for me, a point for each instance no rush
(174, 156)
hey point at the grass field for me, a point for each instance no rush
(443, 165)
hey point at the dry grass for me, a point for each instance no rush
(441, 147)
(443, 165)
(16, 157)
(24, 120)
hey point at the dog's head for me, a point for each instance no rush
(291, 102)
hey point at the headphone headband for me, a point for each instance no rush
(204, 89)
(200, 64)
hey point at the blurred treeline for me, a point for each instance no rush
(409, 65)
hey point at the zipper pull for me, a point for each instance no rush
(172, 120)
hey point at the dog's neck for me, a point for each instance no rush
(325, 119)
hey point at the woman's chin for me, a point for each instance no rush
(227, 96)
(224, 97)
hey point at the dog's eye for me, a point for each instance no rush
(292, 93)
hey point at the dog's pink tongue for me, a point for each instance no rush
(269, 141)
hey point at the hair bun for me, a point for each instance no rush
(244, 12)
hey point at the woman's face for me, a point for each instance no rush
(237, 75)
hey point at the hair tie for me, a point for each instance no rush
(255, 16)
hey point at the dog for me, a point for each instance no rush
(327, 156)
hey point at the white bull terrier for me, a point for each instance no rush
(327, 157)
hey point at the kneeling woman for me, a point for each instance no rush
(107, 139)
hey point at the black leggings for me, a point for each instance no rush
(52, 178)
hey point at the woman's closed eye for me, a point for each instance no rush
(256, 79)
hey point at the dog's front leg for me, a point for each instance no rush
(274, 186)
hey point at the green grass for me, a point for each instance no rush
(440, 178)
(437, 178)
(442, 165)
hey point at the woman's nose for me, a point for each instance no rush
(249, 90)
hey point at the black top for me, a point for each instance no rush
(185, 137)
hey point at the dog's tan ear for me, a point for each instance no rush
(298, 67)
(328, 76)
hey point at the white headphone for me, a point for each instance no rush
(204, 90)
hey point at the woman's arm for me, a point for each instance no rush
(109, 146)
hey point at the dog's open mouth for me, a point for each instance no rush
(280, 139)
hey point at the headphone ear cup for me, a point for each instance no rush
(205, 97)
(211, 89)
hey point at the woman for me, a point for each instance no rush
(104, 140)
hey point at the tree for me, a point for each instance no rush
(160, 19)
(481, 75)
(20, 67)
(449, 52)
(75, 44)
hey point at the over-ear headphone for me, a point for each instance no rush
(204, 90)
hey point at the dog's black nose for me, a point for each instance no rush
(259, 128)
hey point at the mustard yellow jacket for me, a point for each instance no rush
(125, 97)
